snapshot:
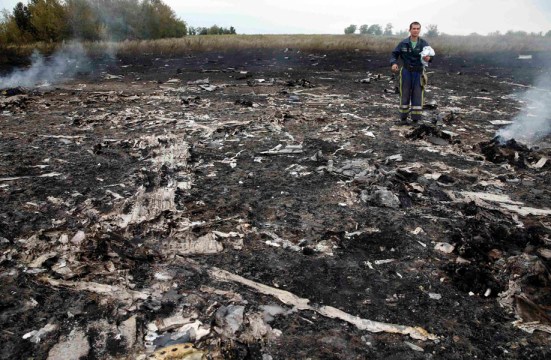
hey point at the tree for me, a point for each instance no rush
(351, 29)
(49, 20)
(432, 30)
(214, 30)
(57, 20)
(363, 29)
(548, 34)
(83, 21)
(22, 17)
(388, 29)
(516, 33)
(10, 32)
(375, 29)
(160, 21)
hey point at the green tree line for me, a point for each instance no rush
(114, 20)
(213, 30)
(431, 30)
(378, 30)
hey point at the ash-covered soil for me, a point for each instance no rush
(266, 205)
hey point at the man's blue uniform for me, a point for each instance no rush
(411, 90)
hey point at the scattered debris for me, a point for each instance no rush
(169, 212)
(329, 311)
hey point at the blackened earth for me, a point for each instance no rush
(73, 157)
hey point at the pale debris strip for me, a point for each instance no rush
(328, 311)
(114, 291)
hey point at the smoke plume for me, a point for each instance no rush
(55, 69)
(533, 122)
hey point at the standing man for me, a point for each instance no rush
(411, 89)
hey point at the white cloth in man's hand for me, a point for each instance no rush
(427, 51)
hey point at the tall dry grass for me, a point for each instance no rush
(445, 44)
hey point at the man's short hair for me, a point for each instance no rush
(414, 23)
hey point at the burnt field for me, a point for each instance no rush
(266, 205)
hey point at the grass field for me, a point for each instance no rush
(445, 44)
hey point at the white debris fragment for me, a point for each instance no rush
(525, 211)
(414, 347)
(277, 241)
(199, 82)
(114, 194)
(385, 261)
(72, 347)
(541, 163)
(435, 296)
(162, 276)
(63, 239)
(280, 150)
(325, 247)
(368, 133)
(113, 77)
(78, 238)
(350, 115)
(36, 335)
(444, 247)
(545, 253)
(208, 88)
(501, 122)
(128, 330)
(173, 322)
(532, 326)
(114, 291)
(55, 200)
(188, 244)
(397, 157)
(48, 175)
(36, 263)
(196, 329)
(502, 200)
(272, 243)
(229, 319)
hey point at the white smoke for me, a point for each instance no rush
(533, 122)
(56, 69)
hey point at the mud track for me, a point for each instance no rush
(266, 205)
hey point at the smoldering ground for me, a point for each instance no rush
(255, 209)
(533, 122)
(44, 71)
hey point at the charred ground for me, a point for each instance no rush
(122, 189)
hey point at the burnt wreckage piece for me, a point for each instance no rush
(500, 151)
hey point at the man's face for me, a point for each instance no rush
(415, 30)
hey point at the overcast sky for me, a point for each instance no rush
(460, 17)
